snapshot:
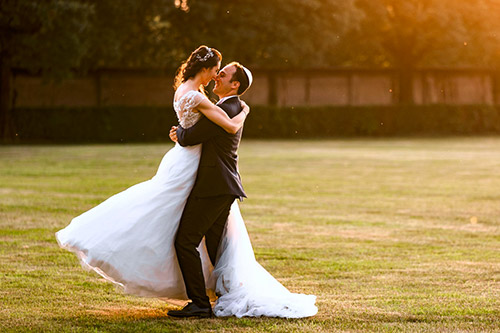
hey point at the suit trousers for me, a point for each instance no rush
(207, 217)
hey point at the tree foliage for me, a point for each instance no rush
(279, 33)
(413, 33)
(47, 37)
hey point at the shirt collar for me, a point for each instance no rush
(222, 100)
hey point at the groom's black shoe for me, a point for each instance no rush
(191, 310)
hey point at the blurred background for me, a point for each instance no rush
(102, 70)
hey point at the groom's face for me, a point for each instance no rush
(223, 85)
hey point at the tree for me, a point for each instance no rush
(413, 33)
(46, 37)
(267, 34)
(57, 39)
(133, 33)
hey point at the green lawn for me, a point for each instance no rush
(390, 235)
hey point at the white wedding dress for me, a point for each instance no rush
(129, 240)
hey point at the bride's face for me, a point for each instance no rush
(211, 74)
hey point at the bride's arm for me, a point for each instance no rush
(219, 117)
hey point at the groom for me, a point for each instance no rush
(217, 185)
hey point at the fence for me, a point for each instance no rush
(335, 87)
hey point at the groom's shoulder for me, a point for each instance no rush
(233, 100)
(232, 106)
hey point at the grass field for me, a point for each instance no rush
(391, 235)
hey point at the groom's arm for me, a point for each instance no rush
(202, 131)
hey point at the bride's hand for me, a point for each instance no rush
(245, 107)
(173, 133)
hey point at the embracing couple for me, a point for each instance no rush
(180, 235)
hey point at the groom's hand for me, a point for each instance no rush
(173, 133)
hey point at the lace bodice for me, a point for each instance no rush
(184, 108)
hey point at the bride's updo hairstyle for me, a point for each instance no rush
(202, 57)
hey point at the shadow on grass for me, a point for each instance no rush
(157, 320)
(146, 321)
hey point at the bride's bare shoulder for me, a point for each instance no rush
(186, 91)
(181, 90)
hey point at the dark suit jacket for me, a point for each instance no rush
(218, 170)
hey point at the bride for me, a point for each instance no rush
(129, 238)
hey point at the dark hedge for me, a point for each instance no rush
(149, 124)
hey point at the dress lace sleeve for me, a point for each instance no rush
(184, 108)
(192, 99)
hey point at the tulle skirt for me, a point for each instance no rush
(129, 240)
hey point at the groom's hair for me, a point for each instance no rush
(240, 76)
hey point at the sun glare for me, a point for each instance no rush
(182, 4)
